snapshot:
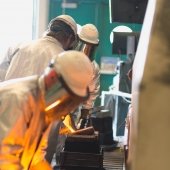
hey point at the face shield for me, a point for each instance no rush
(60, 100)
(87, 48)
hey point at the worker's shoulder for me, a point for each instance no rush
(19, 84)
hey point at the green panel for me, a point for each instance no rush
(55, 9)
(106, 80)
(97, 13)
(85, 12)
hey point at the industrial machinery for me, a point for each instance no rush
(82, 151)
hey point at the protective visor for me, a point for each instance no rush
(87, 48)
(60, 100)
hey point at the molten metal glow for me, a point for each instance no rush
(52, 105)
(68, 123)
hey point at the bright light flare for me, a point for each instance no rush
(52, 105)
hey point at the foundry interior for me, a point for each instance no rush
(84, 85)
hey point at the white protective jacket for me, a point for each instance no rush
(33, 57)
(94, 87)
(22, 124)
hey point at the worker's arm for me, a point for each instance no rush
(39, 156)
(94, 87)
(12, 130)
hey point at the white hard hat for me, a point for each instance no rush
(76, 70)
(69, 20)
(89, 33)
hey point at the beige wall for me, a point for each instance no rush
(151, 92)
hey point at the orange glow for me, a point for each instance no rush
(52, 105)
(43, 165)
(67, 122)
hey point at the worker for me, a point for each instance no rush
(88, 40)
(33, 57)
(29, 105)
